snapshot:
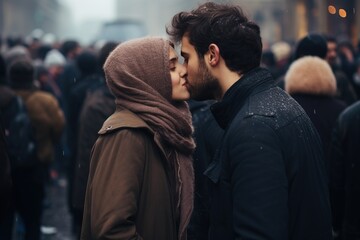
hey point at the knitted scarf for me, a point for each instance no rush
(138, 74)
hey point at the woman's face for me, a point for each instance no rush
(178, 75)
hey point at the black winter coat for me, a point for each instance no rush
(268, 180)
(207, 135)
(345, 173)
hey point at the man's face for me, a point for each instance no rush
(331, 53)
(200, 83)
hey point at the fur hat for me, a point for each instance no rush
(311, 45)
(310, 75)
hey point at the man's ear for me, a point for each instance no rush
(214, 55)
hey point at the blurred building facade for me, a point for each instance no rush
(279, 19)
(292, 19)
(21, 17)
(155, 14)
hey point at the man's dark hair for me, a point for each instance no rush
(330, 38)
(225, 25)
(68, 46)
(21, 74)
(105, 52)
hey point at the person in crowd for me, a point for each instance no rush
(69, 77)
(268, 180)
(344, 177)
(5, 175)
(268, 61)
(282, 51)
(311, 82)
(313, 44)
(345, 88)
(54, 63)
(98, 105)
(89, 80)
(141, 176)
(347, 53)
(47, 121)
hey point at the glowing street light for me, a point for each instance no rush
(331, 9)
(342, 13)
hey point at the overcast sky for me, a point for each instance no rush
(84, 10)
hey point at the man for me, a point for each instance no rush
(345, 193)
(268, 179)
(345, 89)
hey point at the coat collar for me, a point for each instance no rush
(123, 118)
(256, 80)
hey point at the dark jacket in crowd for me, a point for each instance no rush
(5, 176)
(345, 173)
(311, 82)
(6, 97)
(345, 89)
(98, 106)
(207, 135)
(269, 179)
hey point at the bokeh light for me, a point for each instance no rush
(331, 9)
(342, 13)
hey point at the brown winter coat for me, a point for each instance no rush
(130, 194)
(47, 119)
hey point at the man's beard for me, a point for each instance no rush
(205, 86)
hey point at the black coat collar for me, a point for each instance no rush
(225, 110)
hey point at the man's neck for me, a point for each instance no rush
(227, 79)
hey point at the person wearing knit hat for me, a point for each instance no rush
(141, 175)
(312, 44)
(54, 58)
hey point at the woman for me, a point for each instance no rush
(141, 176)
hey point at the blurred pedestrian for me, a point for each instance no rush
(311, 82)
(47, 121)
(268, 180)
(345, 88)
(5, 175)
(345, 177)
(141, 175)
(98, 105)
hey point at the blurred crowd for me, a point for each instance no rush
(63, 87)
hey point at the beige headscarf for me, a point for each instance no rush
(137, 73)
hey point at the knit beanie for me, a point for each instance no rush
(311, 45)
(54, 58)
